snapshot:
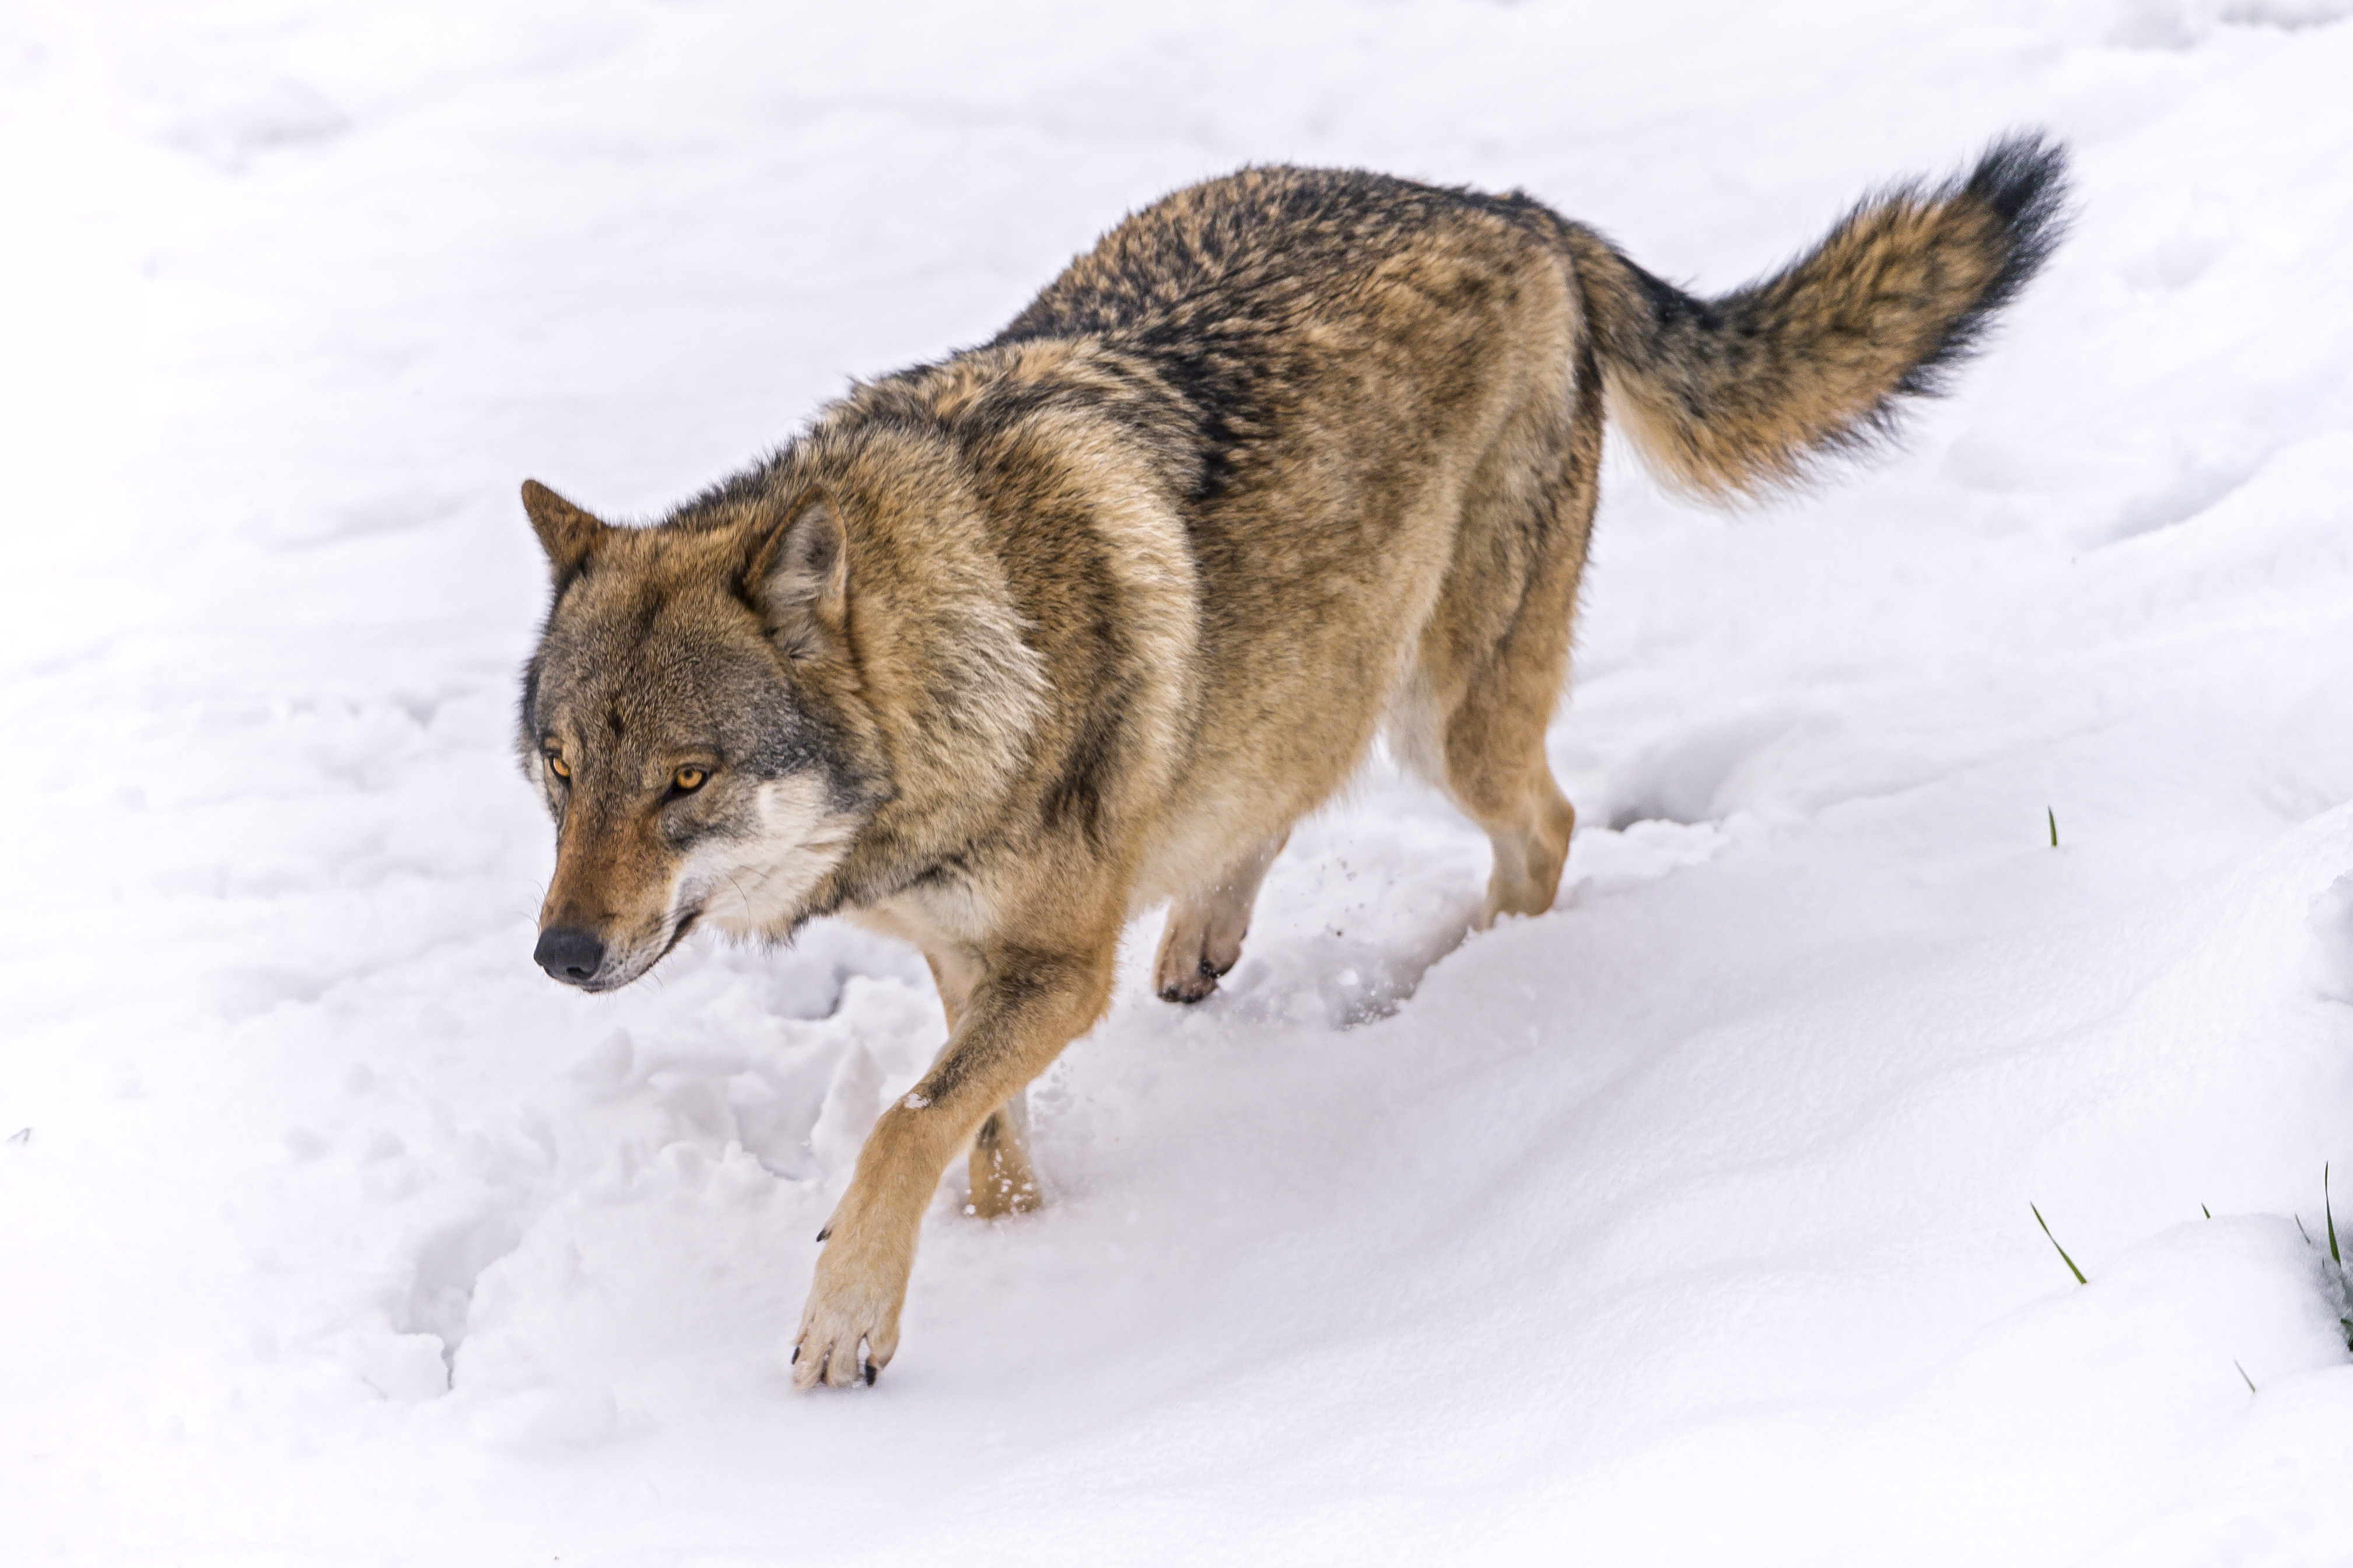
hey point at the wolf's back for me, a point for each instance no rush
(1744, 392)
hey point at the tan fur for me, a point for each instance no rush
(1009, 649)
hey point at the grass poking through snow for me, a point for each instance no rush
(2046, 1224)
(2328, 1211)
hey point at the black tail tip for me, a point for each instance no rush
(2023, 178)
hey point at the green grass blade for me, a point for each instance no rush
(2204, 1210)
(2334, 1256)
(2054, 826)
(2063, 1251)
(2242, 1375)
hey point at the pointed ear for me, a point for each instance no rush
(799, 575)
(564, 531)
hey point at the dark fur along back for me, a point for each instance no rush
(1740, 393)
(1220, 288)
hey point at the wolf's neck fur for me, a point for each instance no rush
(1024, 607)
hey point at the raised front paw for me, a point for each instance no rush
(849, 1329)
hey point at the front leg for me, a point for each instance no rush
(1003, 1180)
(1026, 1007)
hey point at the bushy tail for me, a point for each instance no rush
(1746, 392)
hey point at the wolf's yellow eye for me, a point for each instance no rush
(558, 766)
(685, 781)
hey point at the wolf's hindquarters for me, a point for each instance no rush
(1747, 391)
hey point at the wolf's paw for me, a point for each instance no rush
(1206, 927)
(1529, 857)
(998, 1199)
(1003, 1180)
(1194, 952)
(853, 1302)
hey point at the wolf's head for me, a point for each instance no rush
(690, 716)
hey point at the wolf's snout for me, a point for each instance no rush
(569, 954)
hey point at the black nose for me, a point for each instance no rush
(569, 954)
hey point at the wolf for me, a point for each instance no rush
(1006, 649)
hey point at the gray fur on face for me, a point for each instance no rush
(673, 665)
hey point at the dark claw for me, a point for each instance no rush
(796, 1357)
(872, 1372)
(826, 1232)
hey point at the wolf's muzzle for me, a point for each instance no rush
(569, 954)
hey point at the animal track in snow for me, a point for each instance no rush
(450, 1263)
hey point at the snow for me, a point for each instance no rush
(1686, 1224)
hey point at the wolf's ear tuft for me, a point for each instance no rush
(799, 575)
(566, 533)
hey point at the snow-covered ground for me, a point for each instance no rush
(1688, 1224)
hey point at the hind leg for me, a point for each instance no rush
(1494, 659)
(1492, 756)
(1003, 1180)
(1204, 935)
(1486, 750)
(1531, 844)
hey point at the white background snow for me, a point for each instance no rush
(1687, 1224)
